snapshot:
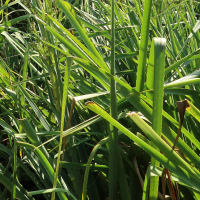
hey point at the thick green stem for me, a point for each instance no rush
(143, 46)
(113, 151)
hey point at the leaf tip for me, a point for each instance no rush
(89, 103)
(131, 113)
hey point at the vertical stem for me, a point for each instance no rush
(158, 91)
(14, 170)
(68, 123)
(113, 155)
(143, 46)
(65, 91)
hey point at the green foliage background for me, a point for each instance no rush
(131, 61)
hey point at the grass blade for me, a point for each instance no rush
(113, 145)
(143, 46)
(159, 66)
(47, 167)
(66, 7)
(188, 175)
(65, 90)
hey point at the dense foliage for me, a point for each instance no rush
(99, 99)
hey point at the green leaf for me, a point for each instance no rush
(143, 46)
(193, 78)
(172, 161)
(195, 112)
(47, 166)
(67, 9)
(65, 93)
(14, 21)
(158, 78)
